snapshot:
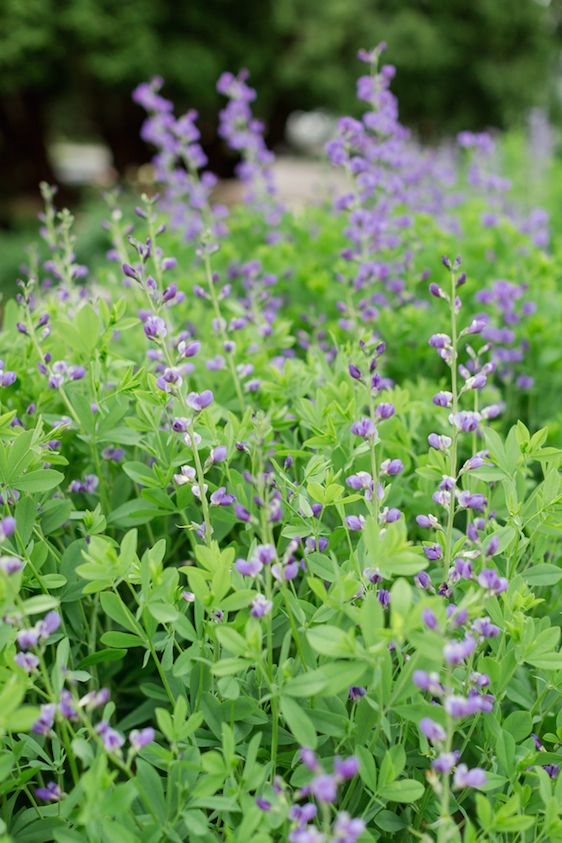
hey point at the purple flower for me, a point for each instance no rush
(439, 442)
(113, 454)
(241, 512)
(94, 699)
(49, 624)
(383, 596)
(389, 516)
(355, 372)
(433, 552)
(456, 652)
(443, 399)
(465, 421)
(66, 705)
(432, 730)
(489, 579)
(141, 738)
(44, 722)
(199, 400)
(485, 628)
(155, 328)
(427, 521)
(356, 692)
(50, 793)
(464, 777)
(220, 497)
(261, 606)
(422, 580)
(324, 787)
(364, 427)
(263, 804)
(440, 341)
(346, 768)
(219, 453)
(309, 759)
(385, 410)
(361, 480)
(248, 567)
(27, 661)
(429, 619)
(189, 349)
(111, 739)
(355, 522)
(445, 762)
(347, 829)
(10, 564)
(392, 467)
(459, 707)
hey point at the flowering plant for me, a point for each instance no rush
(279, 560)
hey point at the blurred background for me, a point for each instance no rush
(67, 68)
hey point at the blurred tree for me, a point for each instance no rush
(68, 66)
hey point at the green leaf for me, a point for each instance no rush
(113, 606)
(41, 480)
(103, 656)
(404, 790)
(298, 722)
(331, 641)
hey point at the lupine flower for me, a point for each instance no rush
(346, 768)
(489, 579)
(113, 454)
(429, 619)
(111, 739)
(445, 762)
(432, 730)
(155, 328)
(456, 652)
(364, 427)
(355, 522)
(249, 567)
(468, 778)
(141, 738)
(220, 497)
(66, 705)
(219, 453)
(50, 793)
(356, 692)
(27, 661)
(439, 442)
(94, 699)
(427, 521)
(44, 722)
(187, 474)
(433, 552)
(261, 606)
(199, 400)
(465, 421)
(392, 467)
(485, 628)
(10, 564)
(324, 787)
(7, 527)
